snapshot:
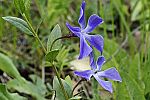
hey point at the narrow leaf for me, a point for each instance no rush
(57, 88)
(27, 4)
(134, 90)
(51, 56)
(27, 87)
(5, 95)
(20, 5)
(7, 66)
(56, 33)
(19, 23)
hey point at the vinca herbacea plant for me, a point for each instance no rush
(54, 55)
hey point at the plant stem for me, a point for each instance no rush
(40, 43)
(61, 84)
(34, 33)
(38, 39)
(55, 69)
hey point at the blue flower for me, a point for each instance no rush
(83, 33)
(96, 72)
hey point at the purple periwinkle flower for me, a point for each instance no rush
(83, 33)
(96, 72)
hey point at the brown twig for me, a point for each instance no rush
(63, 37)
(81, 80)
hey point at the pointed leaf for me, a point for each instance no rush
(7, 66)
(27, 4)
(146, 74)
(56, 33)
(19, 23)
(69, 81)
(20, 5)
(134, 90)
(5, 95)
(51, 56)
(24, 86)
(57, 88)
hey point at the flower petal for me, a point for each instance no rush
(97, 41)
(105, 84)
(93, 22)
(110, 73)
(92, 61)
(100, 62)
(84, 74)
(85, 49)
(75, 30)
(81, 20)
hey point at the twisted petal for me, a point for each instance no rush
(110, 73)
(85, 49)
(75, 30)
(97, 41)
(105, 84)
(81, 20)
(100, 62)
(93, 22)
(84, 74)
(92, 61)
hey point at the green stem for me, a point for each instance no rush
(36, 36)
(41, 43)
(61, 84)
(55, 69)
(34, 33)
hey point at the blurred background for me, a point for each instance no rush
(126, 32)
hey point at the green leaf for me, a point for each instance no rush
(24, 86)
(95, 90)
(19, 23)
(20, 5)
(56, 33)
(61, 7)
(134, 91)
(37, 81)
(27, 4)
(57, 88)
(51, 56)
(62, 57)
(121, 92)
(69, 81)
(7, 66)
(63, 53)
(135, 69)
(5, 95)
(146, 74)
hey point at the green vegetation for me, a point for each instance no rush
(29, 57)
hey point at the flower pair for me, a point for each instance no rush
(96, 41)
